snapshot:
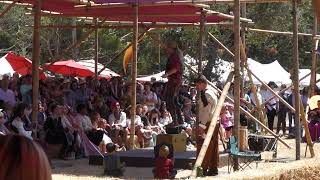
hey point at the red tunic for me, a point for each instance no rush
(174, 62)
(163, 168)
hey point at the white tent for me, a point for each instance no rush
(90, 65)
(266, 72)
(306, 81)
(5, 67)
(158, 77)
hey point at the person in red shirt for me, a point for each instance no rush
(174, 71)
(163, 164)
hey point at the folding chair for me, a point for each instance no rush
(247, 157)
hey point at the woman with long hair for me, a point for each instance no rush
(21, 159)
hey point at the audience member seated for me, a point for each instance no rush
(97, 137)
(6, 94)
(165, 116)
(118, 122)
(151, 98)
(57, 133)
(17, 123)
(3, 128)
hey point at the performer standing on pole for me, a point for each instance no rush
(174, 71)
(208, 100)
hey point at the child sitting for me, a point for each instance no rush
(112, 164)
(163, 164)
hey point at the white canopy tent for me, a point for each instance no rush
(266, 72)
(5, 67)
(306, 82)
(158, 77)
(90, 65)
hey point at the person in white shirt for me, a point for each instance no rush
(118, 122)
(207, 102)
(150, 97)
(271, 106)
(97, 137)
(165, 116)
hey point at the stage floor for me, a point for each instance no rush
(145, 158)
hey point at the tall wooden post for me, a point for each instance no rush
(35, 63)
(134, 75)
(159, 52)
(314, 56)
(96, 49)
(201, 43)
(75, 51)
(296, 77)
(243, 39)
(237, 79)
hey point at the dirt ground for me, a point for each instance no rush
(306, 168)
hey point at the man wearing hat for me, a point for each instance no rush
(174, 74)
(207, 102)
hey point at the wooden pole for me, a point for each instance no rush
(7, 9)
(159, 53)
(296, 76)
(314, 56)
(283, 90)
(254, 89)
(306, 129)
(96, 51)
(243, 40)
(237, 79)
(213, 123)
(244, 111)
(121, 52)
(35, 65)
(280, 33)
(221, 44)
(201, 44)
(134, 75)
(272, 91)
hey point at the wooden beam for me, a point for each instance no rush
(281, 33)
(83, 38)
(8, 8)
(272, 91)
(296, 76)
(237, 78)
(221, 44)
(200, 59)
(129, 26)
(306, 129)
(35, 65)
(213, 123)
(314, 56)
(243, 110)
(254, 89)
(285, 89)
(134, 75)
(96, 51)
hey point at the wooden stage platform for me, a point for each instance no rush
(145, 158)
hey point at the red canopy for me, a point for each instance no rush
(163, 12)
(21, 65)
(69, 68)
